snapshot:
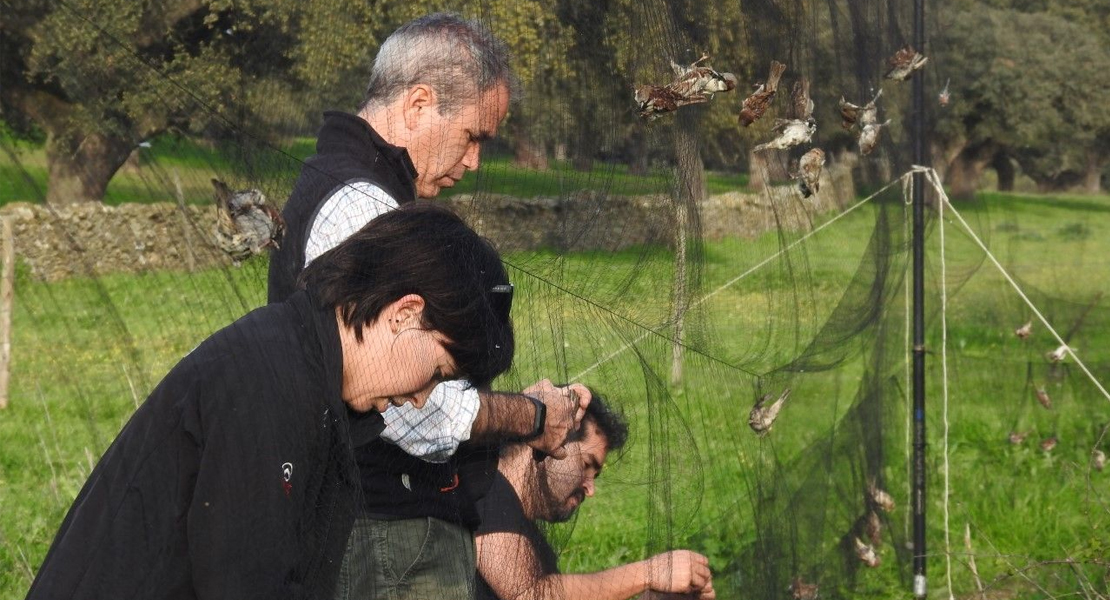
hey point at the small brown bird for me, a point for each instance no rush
(698, 80)
(879, 498)
(867, 554)
(1058, 354)
(755, 105)
(1017, 437)
(944, 97)
(791, 133)
(1025, 330)
(1048, 443)
(762, 417)
(904, 63)
(656, 100)
(809, 171)
(866, 114)
(869, 136)
(1098, 460)
(1043, 398)
(800, 590)
(245, 223)
(870, 526)
(693, 85)
(800, 103)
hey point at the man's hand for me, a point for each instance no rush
(680, 572)
(565, 408)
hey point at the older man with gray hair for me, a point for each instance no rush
(440, 86)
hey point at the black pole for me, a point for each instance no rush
(919, 587)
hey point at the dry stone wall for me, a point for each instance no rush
(92, 239)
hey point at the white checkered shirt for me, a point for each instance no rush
(434, 432)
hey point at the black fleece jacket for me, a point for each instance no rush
(235, 479)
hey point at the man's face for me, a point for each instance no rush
(446, 146)
(564, 484)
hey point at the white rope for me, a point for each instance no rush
(734, 280)
(935, 180)
(944, 395)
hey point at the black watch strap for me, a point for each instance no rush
(540, 421)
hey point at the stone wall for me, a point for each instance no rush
(93, 239)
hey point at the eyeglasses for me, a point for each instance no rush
(501, 300)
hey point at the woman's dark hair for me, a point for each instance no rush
(424, 249)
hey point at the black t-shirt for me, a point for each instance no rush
(501, 512)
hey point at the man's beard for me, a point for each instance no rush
(556, 509)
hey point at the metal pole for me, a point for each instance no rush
(919, 586)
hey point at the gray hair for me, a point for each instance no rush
(458, 58)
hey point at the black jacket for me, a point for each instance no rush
(395, 485)
(235, 479)
(348, 150)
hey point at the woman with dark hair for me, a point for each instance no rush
(236, 478)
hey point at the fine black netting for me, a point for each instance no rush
(655, 256)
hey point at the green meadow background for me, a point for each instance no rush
(86, 351)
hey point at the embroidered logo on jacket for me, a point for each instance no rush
(287, 478)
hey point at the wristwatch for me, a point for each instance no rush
(541, 419)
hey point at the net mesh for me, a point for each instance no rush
(663, 262)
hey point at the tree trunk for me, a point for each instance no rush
(1004, 168)
(583, 162)
(943, 153)
(766, 169)
(691, 186)
(962, 178)
(638, 165)
(1092, 179)
(1057, 182)
(526, 153)
(81, 167)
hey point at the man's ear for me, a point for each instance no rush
(405, 312)
(419, 100)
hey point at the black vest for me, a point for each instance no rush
(348, 150)
(394, 484)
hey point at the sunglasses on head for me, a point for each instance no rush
(501, 300)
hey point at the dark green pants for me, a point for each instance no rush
(412, 559)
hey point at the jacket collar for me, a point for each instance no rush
(322, 333)
(344, 132)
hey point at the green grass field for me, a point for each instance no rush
(85, 352)
(24, 178)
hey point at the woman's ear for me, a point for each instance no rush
(406, 312)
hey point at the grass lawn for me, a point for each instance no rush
(86, 352)
(274, 170)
